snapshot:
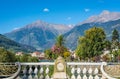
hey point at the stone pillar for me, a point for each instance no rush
(60, 69)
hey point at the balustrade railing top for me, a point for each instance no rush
(40, 63)
(75, 70)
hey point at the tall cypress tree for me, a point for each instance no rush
(115, 39)
(115, 35)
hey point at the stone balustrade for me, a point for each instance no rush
(75, 70)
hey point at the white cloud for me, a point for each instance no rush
(86, 10)
(16, 28)
(46, 10)
(71, 25)
(68, 18)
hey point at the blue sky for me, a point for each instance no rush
(18, 13)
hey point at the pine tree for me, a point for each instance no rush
(115, 39)
(115, 35)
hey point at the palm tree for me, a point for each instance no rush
(60, 40)
(60, 48)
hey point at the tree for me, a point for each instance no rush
(59, 47)
(116, 55)
(80, 51)
(60, 40)
(115, 35)
(107, 44)
(33, 59)
(6, 56)
(66, 54)
(24, 58)
(57, 50)
(48, 54)
(27, 58)
(115, 39)
(91, 44)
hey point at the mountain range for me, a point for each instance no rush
(38, 34)
(14, 46)
(42, 35)
(104, 16)
(73, 35)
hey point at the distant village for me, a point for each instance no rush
(37, 54)
(41, 55)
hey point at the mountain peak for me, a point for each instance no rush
(104, 16)
(105, 12)
(37, 23)
(38, 34)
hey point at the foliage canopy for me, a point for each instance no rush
(91, 44)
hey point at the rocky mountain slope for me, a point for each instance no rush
(39, 34)
(73, 35)
(14, 46)
(104, 16)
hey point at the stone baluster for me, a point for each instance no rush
(90, 73)
(41, 72)
(78, 72)
(73, 72)
(24, 72)
(47, 72)
(36, 72)
(84, 73)
(30, 72)
(96, 73)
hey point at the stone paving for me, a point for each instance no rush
(113, 70)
